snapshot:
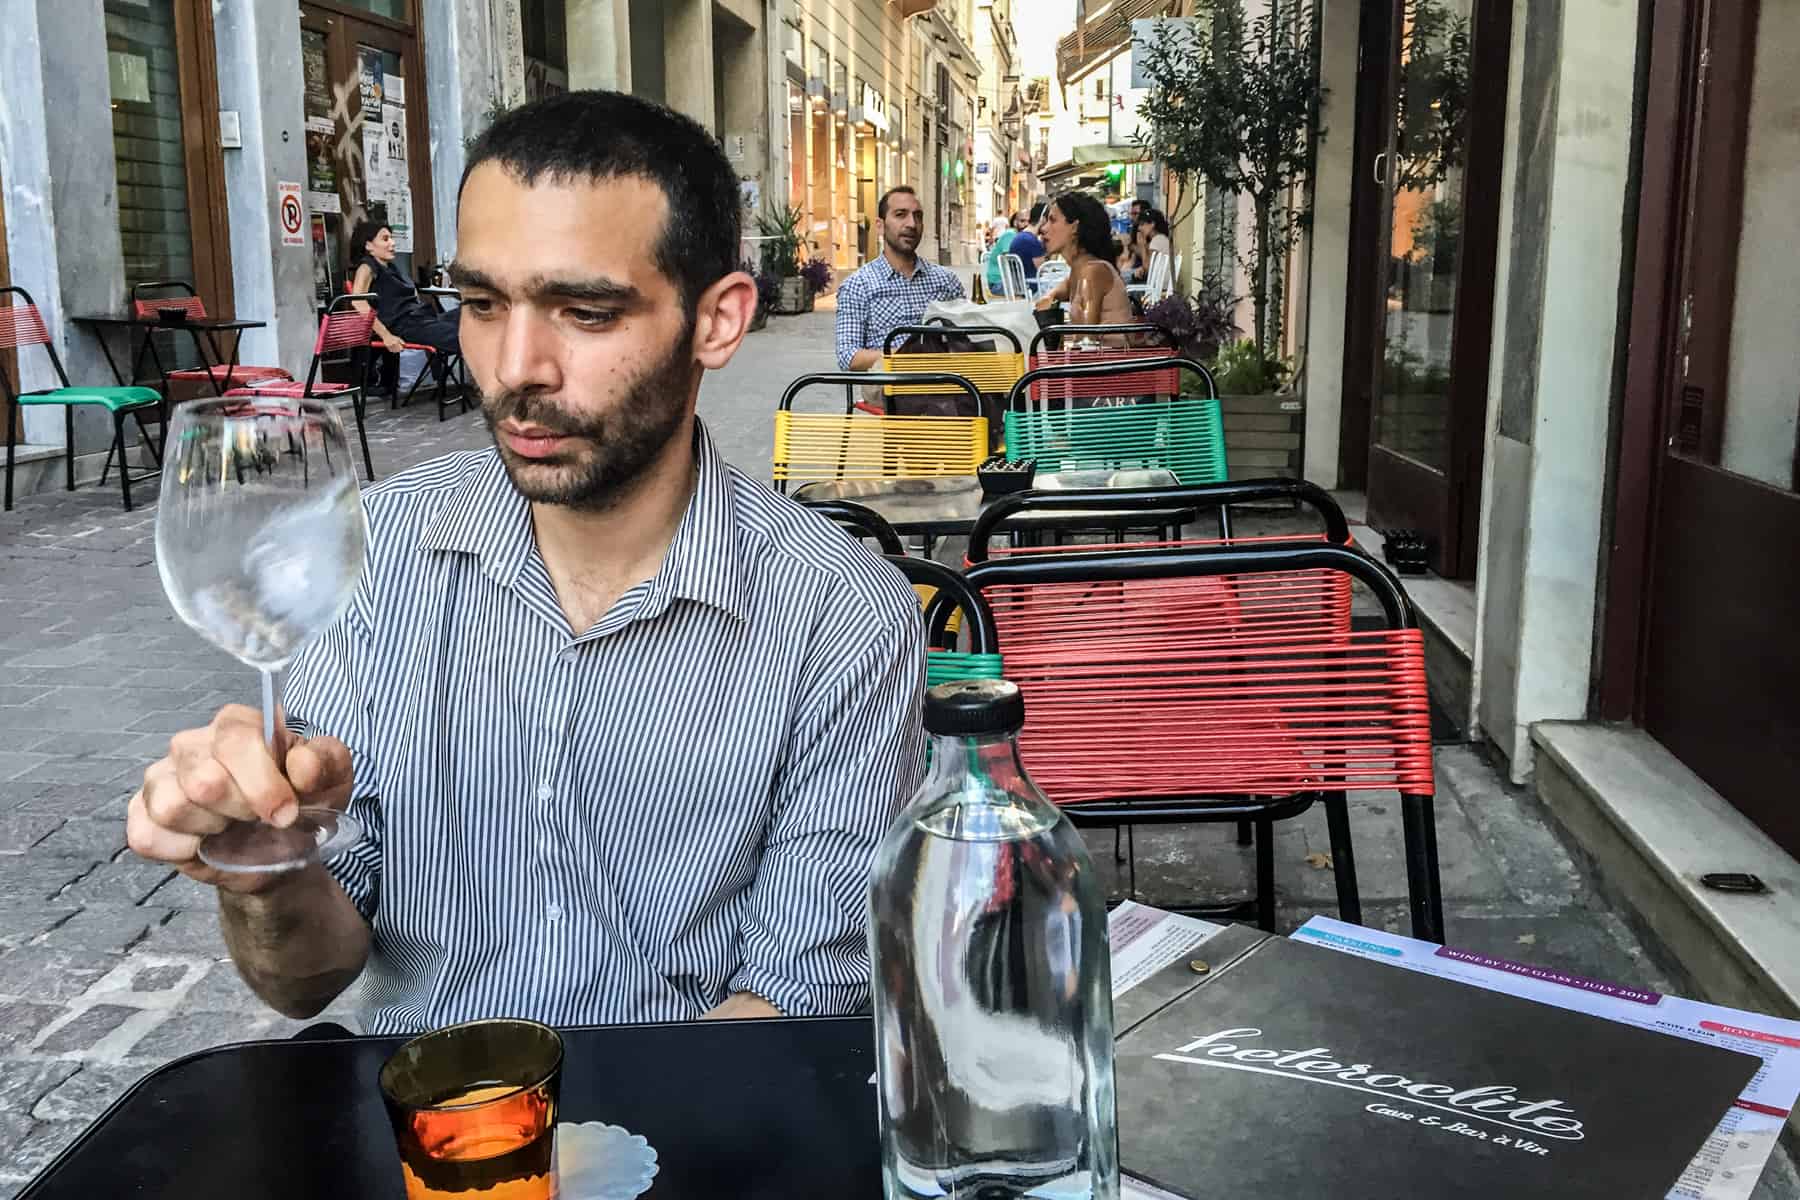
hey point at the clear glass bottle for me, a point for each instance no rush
(993, 989)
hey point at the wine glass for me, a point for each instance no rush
(259, 542)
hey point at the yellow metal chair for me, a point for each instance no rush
(993, 372)
(858, 444)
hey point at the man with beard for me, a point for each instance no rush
(892, 290)
(622, 724)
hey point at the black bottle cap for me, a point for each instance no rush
(974, 706)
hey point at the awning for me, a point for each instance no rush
(1097, 153)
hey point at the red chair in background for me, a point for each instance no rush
(181, 297)
(342, 330)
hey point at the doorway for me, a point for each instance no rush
(367, 131)
(1699, 643)
(1425, 214)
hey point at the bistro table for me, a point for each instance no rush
(750, 1109)
(140, 329)
(946, 506)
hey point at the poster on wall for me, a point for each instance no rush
(393, 145)
(321, 250)
(399, 209)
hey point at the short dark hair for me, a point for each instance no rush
(596, 135)
(366, 230)
(881, 205)
(1093, 228)
(1155, 218)
(1037, 212)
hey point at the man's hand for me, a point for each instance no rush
(221, 774)
(742, 1006)
(865, 360)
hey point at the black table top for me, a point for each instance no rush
(949, 504)
(741, 1109)
(212, 324)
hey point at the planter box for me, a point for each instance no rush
(796, 296)
(1263, 435)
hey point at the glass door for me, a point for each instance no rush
(1438, 172)
(166, 155)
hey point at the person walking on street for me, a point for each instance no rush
(892, 290)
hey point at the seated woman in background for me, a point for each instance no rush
(1076, 226)
(1153, 234)
(400, 316)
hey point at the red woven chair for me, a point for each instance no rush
(1138, 710)
(1166, 382)
(342, 330)
(183, 298)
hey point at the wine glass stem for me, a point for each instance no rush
(271, 689)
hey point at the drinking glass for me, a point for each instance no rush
(474, 1110)
(259, 542)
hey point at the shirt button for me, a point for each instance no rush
(544, 792)
(553, 911)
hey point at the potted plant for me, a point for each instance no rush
(817, 274)
(1196, 326)
(779, 229)
(768, 295)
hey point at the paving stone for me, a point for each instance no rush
(23, 1082)
(21, 831)
(52, 974)
(20, 1022)
(40, 1147)
(26, 879)
(92, 838)
(183, 893)
(85, 1030)
(20, 923)
(14, 764)
(87, 1093)
(91, 771)
(16, 693)
(118, 883)
(194, 931)
(157, 979)
(189, 1032)
(221, 989)
(13, 1128)
(111, 930)
(99, 744)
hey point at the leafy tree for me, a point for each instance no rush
(1233, 102)
(1432, 107)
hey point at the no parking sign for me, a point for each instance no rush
(292, 213)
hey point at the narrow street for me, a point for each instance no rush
(110, 966)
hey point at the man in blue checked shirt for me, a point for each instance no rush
(892, 290)
(622, 725)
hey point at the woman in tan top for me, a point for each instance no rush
(1076, 227)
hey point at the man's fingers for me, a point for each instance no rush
(164, 803)
(239, 748)
(152, 840)
(320, 772)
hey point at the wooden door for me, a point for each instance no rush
(348, 58)
(1427, 306)
(1700, 635)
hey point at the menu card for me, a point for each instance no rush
(1251, 1065)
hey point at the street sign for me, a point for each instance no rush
(292, 213)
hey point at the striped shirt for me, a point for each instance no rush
(877, 299)
(629, 823)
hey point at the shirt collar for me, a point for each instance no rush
(487, 517)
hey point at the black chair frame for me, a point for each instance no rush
(1424, 890)
(941, 326)
(953, 593)
(860, 521)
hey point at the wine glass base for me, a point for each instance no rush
(256, 847)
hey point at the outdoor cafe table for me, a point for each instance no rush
(750, 1109)
(946, 506)
(139, 330)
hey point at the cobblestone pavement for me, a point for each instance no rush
(110, 966)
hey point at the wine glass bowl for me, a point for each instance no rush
(260, 541)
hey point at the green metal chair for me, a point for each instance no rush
(1184, 434)
(22, 325)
